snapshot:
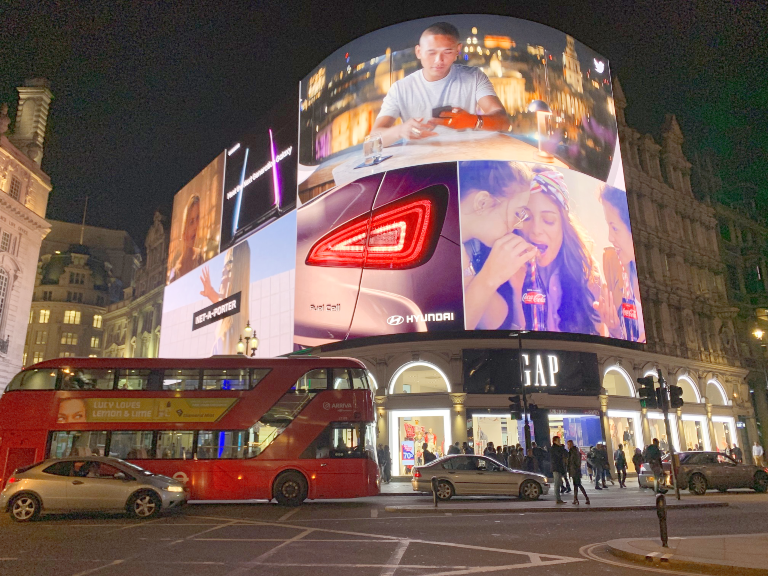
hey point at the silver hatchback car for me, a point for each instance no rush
(92, 483)
(468, 475)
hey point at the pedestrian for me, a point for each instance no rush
(606, 467)
(454, 448)
(380, 458)
(558, 457)
(597, 467)
(654, 460)
(499, 456)
(489, 451)
(620, 460)
(465, 448)
(426, 454)
(737, 454)
(387, 464)
(637, 460)
(539, 455)
(757, 454)
(574, 470)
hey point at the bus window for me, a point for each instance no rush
(343, 440)
(33, 380)
(87, 379)
(225, 379)
(341, 379)
(133, 379)
(181, 380)
(131, 444)
(175, 445)
(261, 435)
(313, 381)
(257, 375)
(359, 380)
(77, 443)
(222, 444)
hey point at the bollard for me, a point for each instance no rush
(661, 512)
(434, 490)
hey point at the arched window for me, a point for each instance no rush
(418, 378)
(716, 393)
(617, 382)
(690, 390)
(3, 292)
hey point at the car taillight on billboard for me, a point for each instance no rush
(398, 235)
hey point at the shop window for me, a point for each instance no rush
(616, 384)
(132, 444)
(343, 440)
(419, 378)
(77, 443)
(178, 445)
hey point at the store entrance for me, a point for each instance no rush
(409, 429)
(499, 429)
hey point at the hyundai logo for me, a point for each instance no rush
(395, 320)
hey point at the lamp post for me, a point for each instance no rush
(249, 342)
(761, 400)
(542, 111)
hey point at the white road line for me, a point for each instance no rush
(374, 512)
(484, 569)
(363, 540)
(92, 570)
(287, 515)
(248, 566)
(395, 558)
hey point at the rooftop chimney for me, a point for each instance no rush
(31, 118)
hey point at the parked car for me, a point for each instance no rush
(467, 475)
(92, 483)
(702, 471)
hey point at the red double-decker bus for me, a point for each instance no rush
(229, 427)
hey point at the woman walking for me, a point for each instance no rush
(574, 470)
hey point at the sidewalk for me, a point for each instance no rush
(747, 553)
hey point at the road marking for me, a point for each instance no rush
(92, 570)
(395, 558)
(587, 552)
(374, 512)
(259, 560)
(287, 515)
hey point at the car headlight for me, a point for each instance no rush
(175, 489)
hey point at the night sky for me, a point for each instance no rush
(146, 94)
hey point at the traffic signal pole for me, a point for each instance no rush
(665, 409)
(527, 427)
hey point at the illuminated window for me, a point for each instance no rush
(69, 338)
(71, 317)
(24, 359)
(15, 191)
(93, 355)
(45, 315)
(41, 337)
(31, 315)
(97, 319)
(95, 341)
(67, 355)
(37, 357)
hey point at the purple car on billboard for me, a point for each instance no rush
(380, 255)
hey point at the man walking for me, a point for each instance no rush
(454, 448)
(558, 458)
(638, 461)
(654, 460)
(574, 470)
(620, 460)
(427, 455)
(757, 454)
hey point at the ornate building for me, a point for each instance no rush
(23, 201)
(132, 326)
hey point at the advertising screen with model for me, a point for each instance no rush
(260, 178)
(206, 311)
(195, 221)
(456, 88)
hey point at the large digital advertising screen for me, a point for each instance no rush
(260, 179)
(195, 221)
(206, 311)
(462, 174)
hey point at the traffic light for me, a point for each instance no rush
(533, 409)
(675, 397)
(647, 393)
(515, 407)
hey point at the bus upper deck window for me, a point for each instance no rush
(33, 380)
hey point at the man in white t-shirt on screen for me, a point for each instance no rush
(463, 90)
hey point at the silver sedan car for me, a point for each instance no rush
(91, 483)
(468, 475)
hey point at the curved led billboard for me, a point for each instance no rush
(462, 174)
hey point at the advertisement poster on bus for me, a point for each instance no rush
(175, 410)
(250, 284)
(456, 88)
(196, 220)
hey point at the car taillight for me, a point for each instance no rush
(401, 234)
(416, 474)
(12, 479)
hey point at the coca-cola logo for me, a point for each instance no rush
(534, 298)
(629, 311)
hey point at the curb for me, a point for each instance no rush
(511, 510)
(670, 560)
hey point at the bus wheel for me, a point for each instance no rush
(24, 508)
(290, 489)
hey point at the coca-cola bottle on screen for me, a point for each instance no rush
(629, 324)
(534, 300)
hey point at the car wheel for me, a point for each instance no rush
(25, 508)
(530, 490)
(761, 481)
(144, 505)
(697, 484)
(290, 489)
(444, 490)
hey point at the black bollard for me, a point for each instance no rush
(434, 490)
(661, 512)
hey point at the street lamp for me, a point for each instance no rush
(760, 398)
(542, 111)
(248, 344)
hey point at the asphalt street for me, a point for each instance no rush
(353, 537)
